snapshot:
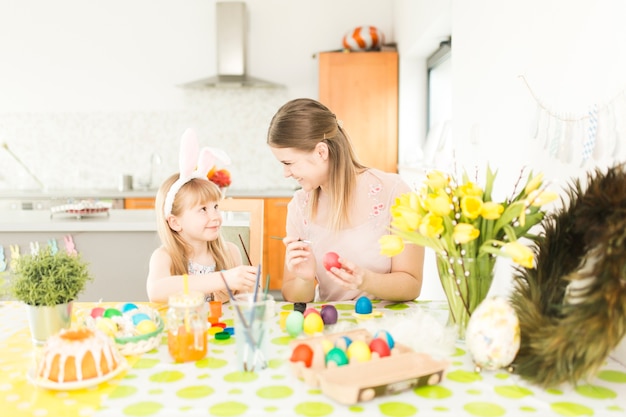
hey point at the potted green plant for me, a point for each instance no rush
(48, 282)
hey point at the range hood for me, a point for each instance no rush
(231, 25)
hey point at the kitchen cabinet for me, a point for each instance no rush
(273, 249)
(139, 203)
(361, 88)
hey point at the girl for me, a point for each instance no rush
(188, 224)
(343, 207)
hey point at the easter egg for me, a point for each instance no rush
(327, 345)
(294, 323)
(302, 353)
(112, 312)
(145, 327)
(343, 342)
(380, 346)
(493, 334)
(312, 324)
(359, 351)
(310, 310)
(107, 325)
(97, 312)
(128, 307)
(139, 317)
(329, 314)
(384, 334)
(363, 305)
(363, 38)
(336, 356)
(330, 260)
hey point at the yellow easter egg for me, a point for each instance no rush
(313, 323)
(359, 351)
(145, 327)
(107, 325)
(327, 345)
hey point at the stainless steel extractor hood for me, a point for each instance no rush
(231, 26)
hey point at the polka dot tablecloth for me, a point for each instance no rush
(156, 386)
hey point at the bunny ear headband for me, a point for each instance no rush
(193, 163)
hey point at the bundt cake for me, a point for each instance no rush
(77, 355)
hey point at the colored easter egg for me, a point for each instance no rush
(493, 334)
(313, 323)
(128, 307)
(294, 323)
(336, 356)
(363, 305)
(107, 326)
(363, 38)
(329, 314)
(112, 312)
(380, 346)
(139, 317)
(97, 312)
(310, 310)
(302, 353)
(330, 260)
(384, 334)
(343, 342)
(359, 351)
(327, 345)
(145, 327)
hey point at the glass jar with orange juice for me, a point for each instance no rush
(187, 326)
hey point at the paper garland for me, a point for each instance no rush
(34, 247)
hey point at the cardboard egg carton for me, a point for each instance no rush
(362, 381)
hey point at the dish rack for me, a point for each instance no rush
(82, 209)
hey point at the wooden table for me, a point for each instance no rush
(155, 386)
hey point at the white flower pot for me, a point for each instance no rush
(44, 321)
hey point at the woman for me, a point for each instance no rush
(343, 207)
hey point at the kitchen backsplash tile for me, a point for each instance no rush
(92, 150)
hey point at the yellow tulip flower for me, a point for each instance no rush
(464, 232)
(533, 184)
(539, 199)
(437, 180)
(491, 210)
(431, 225)
(471, 206)
(438, 204)
(520, 254)
(469, 188)
(391, 245)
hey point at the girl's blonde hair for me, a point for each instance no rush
(195, 191)
(303, 123)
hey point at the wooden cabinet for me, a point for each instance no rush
(273, 249)
(361, 88)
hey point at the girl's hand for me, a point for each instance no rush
(350, 276)
(299, 259)
(241, 278)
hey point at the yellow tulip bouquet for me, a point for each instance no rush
(467, 231)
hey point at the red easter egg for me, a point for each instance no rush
(331, 259)
(381, 347)
(97, 312)
(310, 310)
(302, 353)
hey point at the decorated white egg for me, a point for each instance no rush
(493, 334)
(363, 38)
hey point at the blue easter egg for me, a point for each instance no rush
(128, 307)
(137, 318)
(343, 342)
(363, 305)
(383, 334)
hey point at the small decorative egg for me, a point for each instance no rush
(313, 323)
(363, 305)
(329, 314)
(145, 327)
(97, 312)
(139, 317)
(310, 310)
(343, 342)
(128, 307)
(327, 345)
(106, 325)
(302, 353)
(112, 312)
(294, 323)
(493, 334)
(359, 351)
(380, 346)
(336, 356)
(384, 334)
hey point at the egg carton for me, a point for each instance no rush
(362, 381)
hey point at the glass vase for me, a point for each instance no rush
(466, 282)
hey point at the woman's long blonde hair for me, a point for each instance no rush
(303, 123)
(195, 191)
